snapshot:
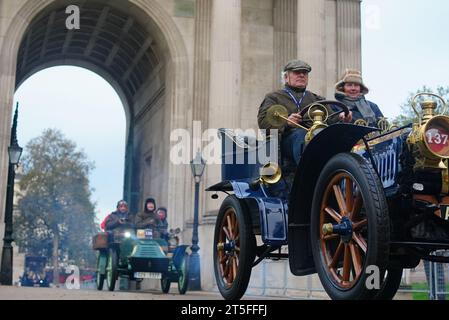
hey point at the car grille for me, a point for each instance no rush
(386, 163)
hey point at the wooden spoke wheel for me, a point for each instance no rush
(234, 249)
(349, 227)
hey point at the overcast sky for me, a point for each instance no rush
(88, 111)
(405, 46)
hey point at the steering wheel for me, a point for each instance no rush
(343, 108)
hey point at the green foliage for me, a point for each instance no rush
(56, 200)
(407, 115)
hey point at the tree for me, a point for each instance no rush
(56, 217)
(408, 115)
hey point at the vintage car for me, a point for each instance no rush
(136, 255)
(363, 202)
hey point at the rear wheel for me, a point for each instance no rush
(111, 269)
(183, 279)
(234, 249)
(165, 283)
(349, 228)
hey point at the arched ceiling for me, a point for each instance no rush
(114, 38)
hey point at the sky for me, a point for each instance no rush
(404, 46)
(87, 110)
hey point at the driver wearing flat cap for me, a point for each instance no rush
(295, 97)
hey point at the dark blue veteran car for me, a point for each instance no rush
(361, 200)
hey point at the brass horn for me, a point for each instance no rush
(271, 173)
(277, 116)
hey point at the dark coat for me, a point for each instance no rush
(146, 220)
(113, 221)
(283, 98)
(163, 227)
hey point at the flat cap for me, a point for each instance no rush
(297, 65)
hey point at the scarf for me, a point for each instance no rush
(359, 104)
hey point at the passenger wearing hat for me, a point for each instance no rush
(148, 218)
(294, 96)
(351, 91)
(120, 217)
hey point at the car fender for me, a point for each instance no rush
(333, 140)
(178, 255)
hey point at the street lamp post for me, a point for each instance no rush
(14, 152)
(197, 166)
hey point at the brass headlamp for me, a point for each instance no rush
(429, 139)
(319, 115)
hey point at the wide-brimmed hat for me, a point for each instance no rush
(351, 76)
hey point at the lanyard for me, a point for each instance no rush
(297, 103)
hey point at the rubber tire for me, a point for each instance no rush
(99, 278)
(390, 285)
(112, 275)
(247, 249)
(183, 282)
(376, 208)
(165, 283)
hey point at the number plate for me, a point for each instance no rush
(145, 234)
(148, 275)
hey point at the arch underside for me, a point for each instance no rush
(114, 40)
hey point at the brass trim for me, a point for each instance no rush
(271, 173)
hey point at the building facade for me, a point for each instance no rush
(174, 62)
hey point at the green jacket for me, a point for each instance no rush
(283, 98)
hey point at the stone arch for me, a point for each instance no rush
(176, 94)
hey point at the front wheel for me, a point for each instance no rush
(349, 228)
(234, 249)
(99, 279)
(111, 269)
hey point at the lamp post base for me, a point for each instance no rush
(6, 267)
(195, 272)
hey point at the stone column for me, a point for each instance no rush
(201, 77)
(312, 41)
(225, 76)
(225, 64)
(349, 47)
(285, 23)
(224, 110)
(331, 47)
